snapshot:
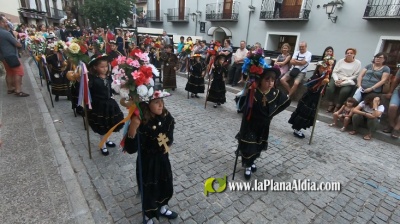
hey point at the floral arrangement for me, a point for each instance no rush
(57, 46)
(214, 47)
(188, 47)
(133, 78)
(254, 63)
(77, 51)
(37, 45)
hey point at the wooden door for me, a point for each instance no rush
(227, 11)
(291, 8)
(158, 10)
(181, 9)
(392, 49)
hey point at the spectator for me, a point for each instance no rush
(8, 49)
(343, 76)
(278, 8)
(372, 77)
(181, 44)
(63, 33)
(300, 61)
(283, 59)
(227, 50)
(166, 39)
(78, 32)
(368, 111)
(394, 96)
(202, 50)
(238, 60)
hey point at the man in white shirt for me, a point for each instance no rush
(300, 61)
(166, 39)
(238, 60)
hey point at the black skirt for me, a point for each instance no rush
(303, 116)
(217, 91)
(104, 115)
(195, 83)
(74, 94)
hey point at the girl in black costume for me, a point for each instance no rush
(155, 134)
(262, 103)
(195, 82)
(217, 90)
(105, 111)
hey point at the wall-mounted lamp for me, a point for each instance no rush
(198, 13)
(252, 8)
(195, 15)
(331, 8)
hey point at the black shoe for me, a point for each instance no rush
(247, 173)
(219, 104)
(215, 106)
(57, 98)
(192, 95)
(173, 215)
(104, 151)
(110, 144)
(253, 168)
(298, 134)
(196, 96)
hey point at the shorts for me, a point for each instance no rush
(14, 71)
(298, 78)
(395, 99)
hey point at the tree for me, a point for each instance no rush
(102, 13)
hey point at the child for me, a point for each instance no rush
(195, 82)
(217, 90)
(345, 113)
(155, 134)
(105, 111)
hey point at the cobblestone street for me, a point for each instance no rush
(204, 145)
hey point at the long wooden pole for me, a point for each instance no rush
(87, 131)
(208, 88)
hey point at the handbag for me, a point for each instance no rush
(295, 71)
(12, 61)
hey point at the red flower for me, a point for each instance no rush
(140, 80)
(114, 63)
(134, 51)
(83, 49)
(147, 71)
(157, 45)
(256, 70)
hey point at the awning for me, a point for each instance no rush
(211, 30)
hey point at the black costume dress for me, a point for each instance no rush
(114, 54)
(217, 90)
(303, 116)
(195, 83)
(105, 111)
(253, 134)
(169, 74)
(59, 81)
(156, 172)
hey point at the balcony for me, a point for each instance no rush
(382, 9)
(141, 22)
(222, 12)
(290, 10)
(153, 17)
(56, 13)
(141, 1)
(178, 15)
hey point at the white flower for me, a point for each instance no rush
(151, 91)
(124, 93)
(142, 90)
(115, 69)
(151, 82)
(116, 86)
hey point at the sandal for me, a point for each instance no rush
(343, 129)
(330, 109)
(388, 130)
(352, 132)
(10, 91)
(367, 137)
(395, 134)
(332, 125)
(21, 94)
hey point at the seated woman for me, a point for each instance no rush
(394, 119)
(372, 77)
(368, 111)
(283, 59)
(345, 71)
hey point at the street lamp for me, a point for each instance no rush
(330, 9)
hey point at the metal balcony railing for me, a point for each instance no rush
(385, 9)
(57, 13)
(178, 15)
(272, 11)
(222, 12)
(152, 16)
(141, 1)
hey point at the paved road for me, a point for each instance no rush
(369, 171)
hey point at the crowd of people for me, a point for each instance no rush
(122, 63)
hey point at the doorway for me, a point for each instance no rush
(220, 35)
(227, 11)
(392, 49)
(158, 10)
(291, 8)
(181, 9)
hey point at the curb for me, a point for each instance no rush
(80, 209)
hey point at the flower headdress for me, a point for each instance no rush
(214, 47)
(77, 51)
(254, 63)
(133, 77)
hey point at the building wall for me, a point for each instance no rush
(350, 30)
(10, 9)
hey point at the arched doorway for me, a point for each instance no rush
(219, 33)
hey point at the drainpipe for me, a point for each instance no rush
(197, 9)
(248, 24)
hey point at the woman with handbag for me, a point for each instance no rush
(283, 59)
(372, 77)
(343, 76)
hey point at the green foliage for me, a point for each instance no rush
(102, 13)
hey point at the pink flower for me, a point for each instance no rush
(135, 63)
(129, 61)
(136, 74)
(121, 59)
(148, 81)
(156, 94)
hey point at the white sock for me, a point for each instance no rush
(248, 170)
(163, 209)
(148, 221)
